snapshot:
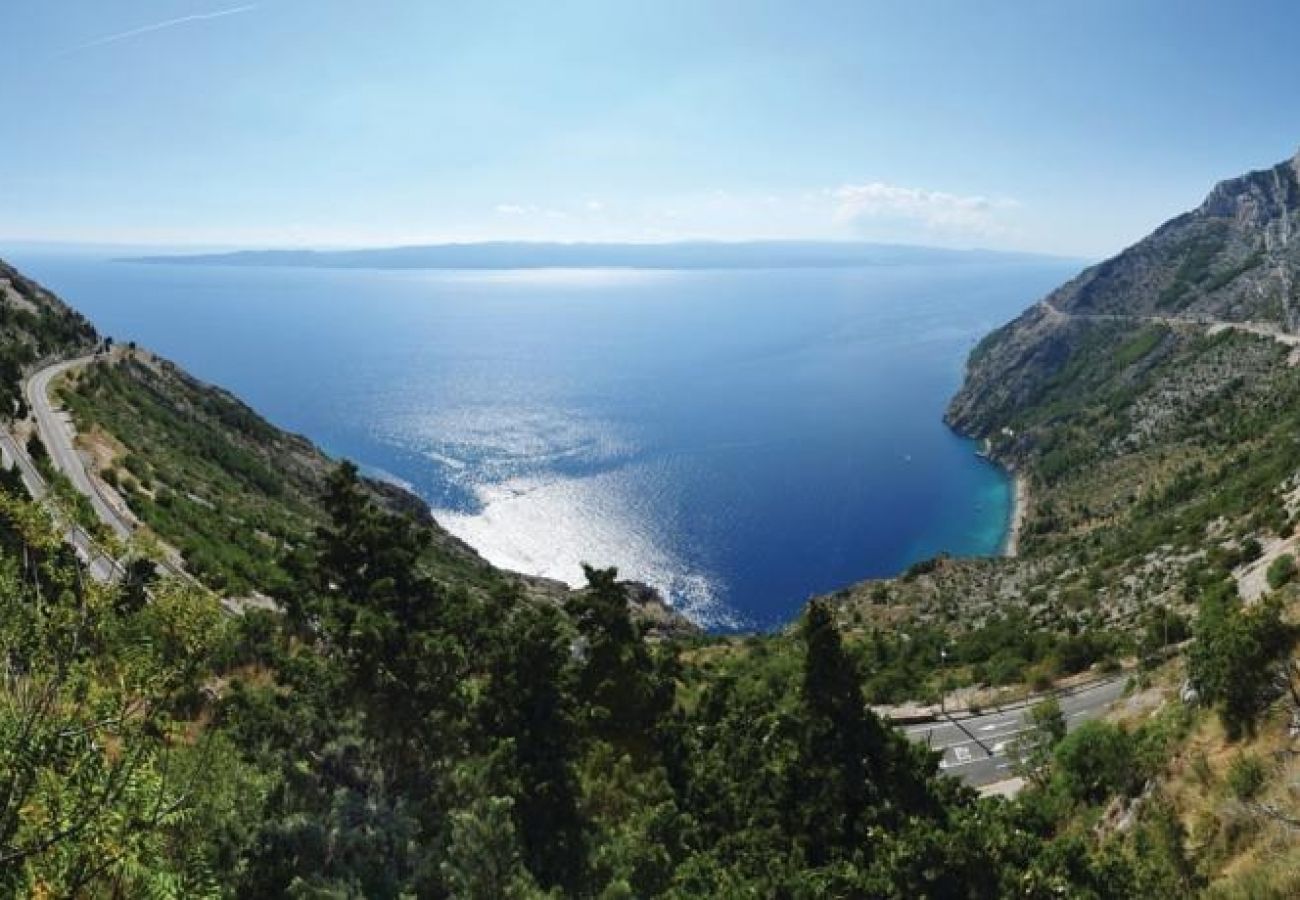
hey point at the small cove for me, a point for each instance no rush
(739, 439)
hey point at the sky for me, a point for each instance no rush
(1071, 129)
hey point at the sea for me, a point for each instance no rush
(739, 439)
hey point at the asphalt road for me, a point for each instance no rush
(100, 566)
(975, 748)
(57, 434)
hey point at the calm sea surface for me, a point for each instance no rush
(741, 440)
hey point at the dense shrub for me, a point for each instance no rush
(1096, 761)
(1246, 776)
(1233, 659)
(1281, 571)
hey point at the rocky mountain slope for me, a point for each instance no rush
(1234, 258)
(1150, 407)
(34, 325)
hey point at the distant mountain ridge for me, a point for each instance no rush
(547, 255)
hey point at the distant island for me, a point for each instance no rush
(542, 255)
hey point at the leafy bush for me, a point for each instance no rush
(1031, 751)
(1232, 661)
(1281, 571)
(36, 449)
(1096, 761)
(1246, 777)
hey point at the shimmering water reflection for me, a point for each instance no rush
(739, 439)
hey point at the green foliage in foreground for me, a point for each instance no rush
(394, 734)
(106, 789)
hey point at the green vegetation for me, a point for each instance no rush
(1164, 628)
(1149, 474)
(416, 723)
(1140, 346)
(99, 773)
(204, 472)
(34, 325)
(1230, 274)
(916, 662)
(1246, 777)
(1195, 265)
(231, 492)
(36, 450)
(1032, 751)
(1233, 662)
(1096, 761)
(394, 734)
(1281, 571)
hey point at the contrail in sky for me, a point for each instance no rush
(159, 26)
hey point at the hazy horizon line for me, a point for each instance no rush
(184, 249)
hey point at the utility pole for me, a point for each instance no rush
(943, 678)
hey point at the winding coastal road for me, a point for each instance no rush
(102, 567)
(57, 434)
(59, 437)
(975, 747)
(1212, 326)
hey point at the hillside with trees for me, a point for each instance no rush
(392, 735)
(408, 721)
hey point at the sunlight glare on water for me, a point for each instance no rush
(738, 439)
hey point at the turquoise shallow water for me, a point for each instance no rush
(740, 439)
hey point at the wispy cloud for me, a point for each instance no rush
(863, 204)
(862, 210)
(162, 26)
(527, 209)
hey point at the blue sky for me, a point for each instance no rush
(1066, 128)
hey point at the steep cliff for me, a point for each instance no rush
(1234, 258)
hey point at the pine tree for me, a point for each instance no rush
(620, 682)
(483, 860)
(840, 744)
(529, 705)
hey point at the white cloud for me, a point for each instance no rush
(874, 204)
(866, 210)
(527, 210)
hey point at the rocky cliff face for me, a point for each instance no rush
(1234, 258)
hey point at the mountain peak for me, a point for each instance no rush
(1257, 197)
(1233, 259)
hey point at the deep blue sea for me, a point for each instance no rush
(739, 439)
